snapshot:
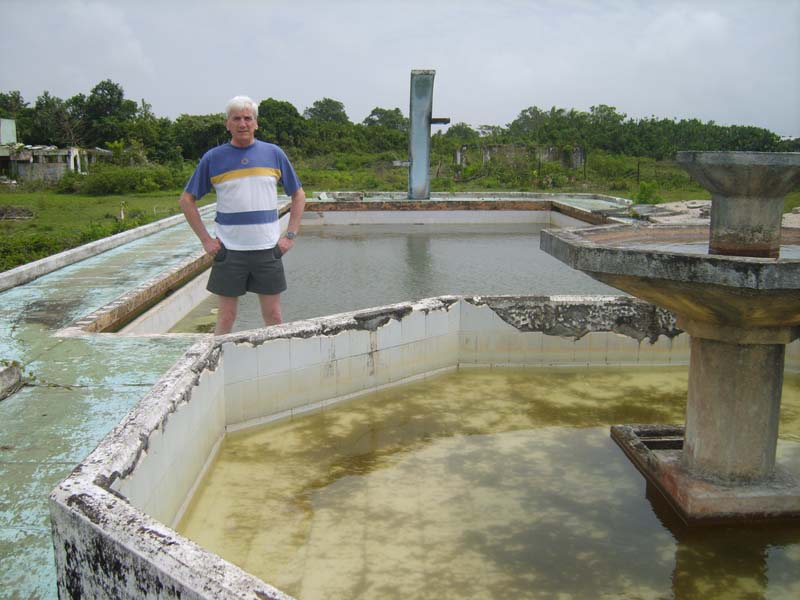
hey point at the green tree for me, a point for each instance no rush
(54, 122)
(197, 134)
(155, 135)
(461, 132)
(108, 114)
(48, 113)
(279, 122)
(327, 111)
(493, 134)
(529, 125)
(78, 121)
(13, 106)
(605, 128)
(383, 139)
(389, 118)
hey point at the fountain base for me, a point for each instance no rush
(656, 451)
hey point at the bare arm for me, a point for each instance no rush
(189, 207)
(296, 212)
(295, 215)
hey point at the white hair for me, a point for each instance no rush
(241, 103)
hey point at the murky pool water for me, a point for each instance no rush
(341, 268)
(482, 483)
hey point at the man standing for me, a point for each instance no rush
(248, 245)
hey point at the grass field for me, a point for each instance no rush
(44, 223)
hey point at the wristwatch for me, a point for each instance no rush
(291, 235)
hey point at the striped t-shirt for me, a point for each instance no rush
(246, 181)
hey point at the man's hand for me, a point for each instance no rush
(188, 205)
(212, 246)
(285, 244)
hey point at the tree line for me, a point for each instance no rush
(106, 119)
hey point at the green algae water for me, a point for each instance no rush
(482, 483)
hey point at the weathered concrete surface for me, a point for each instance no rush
(124, 564)
(719, 289)
(79, 389)
(83, 385)
(143, 558)
(747, 190)
(698, 212)
(739, 310)
(656, 452)
(114, 315)
(733, 409)
(88, 384)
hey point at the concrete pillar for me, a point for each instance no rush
(419, 144)
(747, 191)
(733, 409)
(745, 226)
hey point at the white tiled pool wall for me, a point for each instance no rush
(181, 426)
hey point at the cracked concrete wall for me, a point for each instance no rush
(110, 516)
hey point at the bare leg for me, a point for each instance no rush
(271, 308)
(226, 314)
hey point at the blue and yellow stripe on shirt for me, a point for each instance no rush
(246, 172)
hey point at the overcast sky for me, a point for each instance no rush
(736, 62)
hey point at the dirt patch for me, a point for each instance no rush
(10, 213)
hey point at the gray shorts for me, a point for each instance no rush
(235, 272)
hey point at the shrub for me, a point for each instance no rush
(107, 180)
(18, 250)
(648, 193)
(70, 183)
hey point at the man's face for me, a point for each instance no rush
(242, 126)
